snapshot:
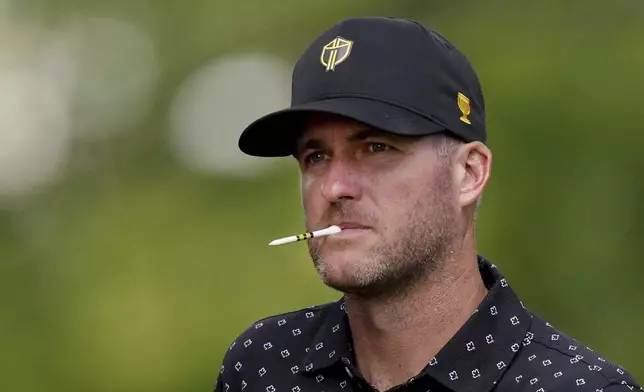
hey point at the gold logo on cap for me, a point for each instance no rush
(335, 52)
(464, 105)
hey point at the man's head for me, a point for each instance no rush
(387, 120)
(405, 203)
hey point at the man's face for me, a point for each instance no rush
(392, 196)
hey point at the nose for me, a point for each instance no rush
(342, 182)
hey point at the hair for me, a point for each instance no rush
(446, 144)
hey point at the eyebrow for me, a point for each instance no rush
(359, 135)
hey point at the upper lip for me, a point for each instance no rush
(344, 225)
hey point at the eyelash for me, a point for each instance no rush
(307, 158)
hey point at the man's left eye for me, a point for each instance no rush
(378, 147)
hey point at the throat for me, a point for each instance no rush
(395, 339)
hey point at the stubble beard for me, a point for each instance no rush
(398, 264)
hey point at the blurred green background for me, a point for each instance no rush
(133, 233)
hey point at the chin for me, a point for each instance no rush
(347, 272)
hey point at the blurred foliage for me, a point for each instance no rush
(135, 274)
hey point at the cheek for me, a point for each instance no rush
(310, 197)
(398, 196)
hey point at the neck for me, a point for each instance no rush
(394, 338)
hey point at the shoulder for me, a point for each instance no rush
(261, 339)
(559, 361)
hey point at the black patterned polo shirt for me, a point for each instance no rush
(503, 347)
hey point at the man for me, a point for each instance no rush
(387, 124)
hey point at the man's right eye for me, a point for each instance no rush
(314, 157)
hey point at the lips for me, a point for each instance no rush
(351, 225)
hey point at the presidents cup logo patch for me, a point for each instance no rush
(464, 106)
(335, 52)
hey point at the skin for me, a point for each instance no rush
(407, 262)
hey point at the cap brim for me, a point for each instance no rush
(275, 134)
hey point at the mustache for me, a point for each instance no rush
(344, 211)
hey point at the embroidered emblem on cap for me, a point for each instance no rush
(464, 106)
(335, 52)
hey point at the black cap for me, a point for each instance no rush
(395, 75)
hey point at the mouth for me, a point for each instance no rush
(351, 229)
(348, 225)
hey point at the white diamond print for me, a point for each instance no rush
(571, 347)
(504, 283)
(620, 371)
(309, 315)
(343, 384)
(580, 382)
(489, 339)
(494, 311)
(547, 362)
(270, 388)
(515, 347)
(476, 373)
(453, 375)
(262, 371)
(336, 328)
(540, 390)
(518, 378)
(319, 378)
(296, 388)
(281, 322)
(295, 369)
(433, 361)
(248, 343)
(500, 365)
(470, 346)
(259, 325)
(532, 357)
(555, 336)
(268, 346)
(238, 366)
(243, 385)
(309, 367)
(534, 381)
(331, 354)
(285, 353)
(558, 374)
(514, 320)
(226, 387)
(319, 346)
(297, 332)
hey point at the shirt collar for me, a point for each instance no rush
(332, 342)
(475, 358)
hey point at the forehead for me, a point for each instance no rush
(314, 123)
(321, 126)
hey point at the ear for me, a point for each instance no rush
(473, 162)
